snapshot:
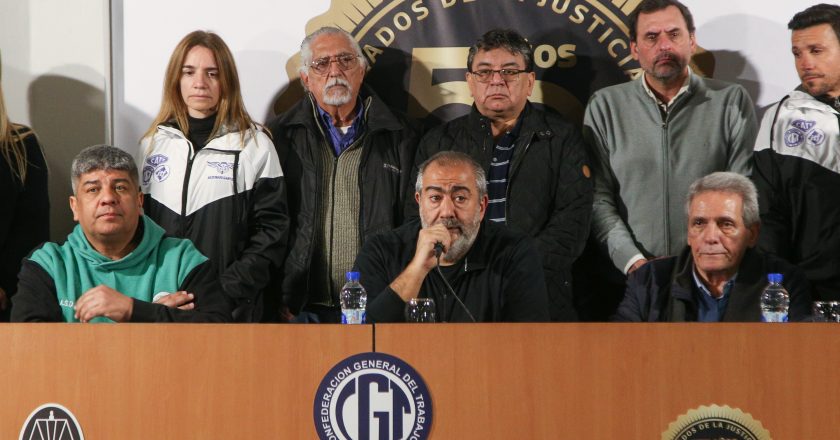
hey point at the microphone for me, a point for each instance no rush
(438, 249)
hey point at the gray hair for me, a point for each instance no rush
(729, 182)
(102, 157)
(306, 46)
(450, 158)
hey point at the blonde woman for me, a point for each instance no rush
(210, 174)
(25, 212)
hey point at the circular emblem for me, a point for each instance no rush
(161, 173)
(51, 421)
(715, 422)
(794, 137)
(816, 137)
(372, 395)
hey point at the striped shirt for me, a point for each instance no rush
(497, 177)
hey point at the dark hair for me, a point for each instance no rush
(507, 39)
(649, 6)
(102, 157)
(822, 13)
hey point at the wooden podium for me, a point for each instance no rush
(487, 381)
(173, 381)
(621, 381)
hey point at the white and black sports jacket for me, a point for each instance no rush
(797, 173)
(229, 199)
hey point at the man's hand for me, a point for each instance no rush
(424, 256)
(104, 301)
(407, 284)
(636, 265)
(180, 299)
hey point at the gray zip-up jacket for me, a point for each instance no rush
(644, 160)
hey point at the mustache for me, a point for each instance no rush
(451, 223)
(336, 82)
(666, 56)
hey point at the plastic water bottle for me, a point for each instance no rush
(353, 300)
(775, 300)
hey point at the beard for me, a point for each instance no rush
(461, 245)
(672, 68)
(337, 92)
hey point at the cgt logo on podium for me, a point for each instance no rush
(372, 396)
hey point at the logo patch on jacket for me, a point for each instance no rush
(155, 166)
(222, 168)
(802, 131)
(391, 168)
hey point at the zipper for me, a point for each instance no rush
(666, 166)
(182, 227)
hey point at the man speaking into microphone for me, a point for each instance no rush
(473, 270)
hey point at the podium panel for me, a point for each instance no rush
(620, 381)
(172, 381)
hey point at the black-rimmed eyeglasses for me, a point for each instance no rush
(508, 75)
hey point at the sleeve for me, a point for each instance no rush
(565, 234)
(36, 299)
(743, 126)
(372, 262)
(608, 228)
(631, 309)
(211, 305)
(268, 226)
(26, 221)
(773, 204)
(524, 289)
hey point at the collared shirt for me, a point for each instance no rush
(664, 106)
(341, 138)
(497, 178)
(711, 309)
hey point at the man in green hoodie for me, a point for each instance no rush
(116, 265)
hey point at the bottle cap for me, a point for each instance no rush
(775, 278)
(352, 276)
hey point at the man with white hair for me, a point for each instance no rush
(347, 159)
(719, 276)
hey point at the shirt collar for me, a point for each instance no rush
(726, 287)
(665, 105)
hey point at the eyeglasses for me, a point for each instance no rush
(508, 75)
(345, 61)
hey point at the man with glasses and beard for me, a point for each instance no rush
(652, 137)
(347, 160)
(494, 271)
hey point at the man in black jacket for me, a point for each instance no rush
(346, 158)
(494, 271)
(535, 161)
(719, 276)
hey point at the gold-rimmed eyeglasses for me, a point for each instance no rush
(345, 61)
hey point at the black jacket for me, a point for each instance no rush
(388, 149)
(549, 195)
(664, 290)
(25, 222)
(500, 278)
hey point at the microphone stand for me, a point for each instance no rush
(452, 291)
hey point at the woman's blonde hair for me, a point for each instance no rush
(11, 142)
(230, 110)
